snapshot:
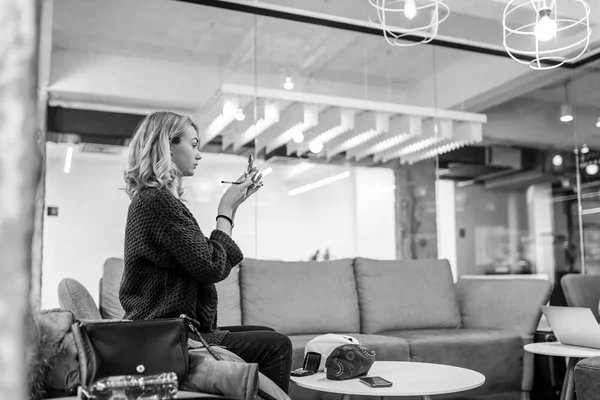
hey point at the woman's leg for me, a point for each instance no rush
(245, 328)
(272, 351)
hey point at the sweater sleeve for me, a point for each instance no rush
(207, 260)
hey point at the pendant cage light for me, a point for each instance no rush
(395, 16)
(552, 38)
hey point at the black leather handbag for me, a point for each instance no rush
(110, 348)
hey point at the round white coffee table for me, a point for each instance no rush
(408, 379)
(571, 353)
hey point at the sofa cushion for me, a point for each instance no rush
(229, 311)
(300, 297)
(417, 294)
(498, 355)
(386, 348)
(110, 305)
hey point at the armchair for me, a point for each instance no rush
(584, 291)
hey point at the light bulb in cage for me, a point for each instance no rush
(530, 42)
(410, 9)
(545, 29)
(397, 31)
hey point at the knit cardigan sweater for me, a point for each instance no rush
(170, 266)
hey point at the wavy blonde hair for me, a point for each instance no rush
(150, 163)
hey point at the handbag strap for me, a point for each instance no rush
(192, 323)
(85, 354)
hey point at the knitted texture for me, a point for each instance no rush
(170, 266)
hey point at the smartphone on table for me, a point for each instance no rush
(375, 381)
(312, 361)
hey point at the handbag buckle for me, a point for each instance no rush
(140, 369)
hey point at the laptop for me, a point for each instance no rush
(575, 326)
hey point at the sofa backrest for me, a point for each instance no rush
(110, 305)
(300, 297)
(416, 294)
(228, 310)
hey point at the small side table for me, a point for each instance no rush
(408, 379)
(571, 353)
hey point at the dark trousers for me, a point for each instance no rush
(272, 351)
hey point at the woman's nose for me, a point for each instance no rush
(198, 156)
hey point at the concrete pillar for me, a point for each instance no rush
(416, 225)
(20, 174)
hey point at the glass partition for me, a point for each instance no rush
(367, 149)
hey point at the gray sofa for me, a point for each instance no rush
(403, 310)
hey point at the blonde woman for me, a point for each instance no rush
(170, 266)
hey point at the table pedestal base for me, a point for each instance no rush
(568, 389)
(347, 397)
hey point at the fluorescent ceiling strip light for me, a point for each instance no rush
(411, 148)
(333, 123)
(231, 133)
(310, 120)
(331, 134)
(227, 115)
(464, 133)
(271, 117)
(318, 184)
(68, 159)
(437, 131)
(369, 125)
(359, 139)
(389, 143)
(289, 134)
(441, 149)
(382, 146)
(252, 132)
(347, 124)
(405, 128)
(591, 211)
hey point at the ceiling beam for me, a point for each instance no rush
(348, 24)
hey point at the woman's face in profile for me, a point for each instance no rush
(186, 153)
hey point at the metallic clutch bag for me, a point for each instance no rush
(133, 387)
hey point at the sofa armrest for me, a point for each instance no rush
(587, 378)
(73, 296)
(582, 291)
(505, 304)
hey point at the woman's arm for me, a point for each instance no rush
(224, 226)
